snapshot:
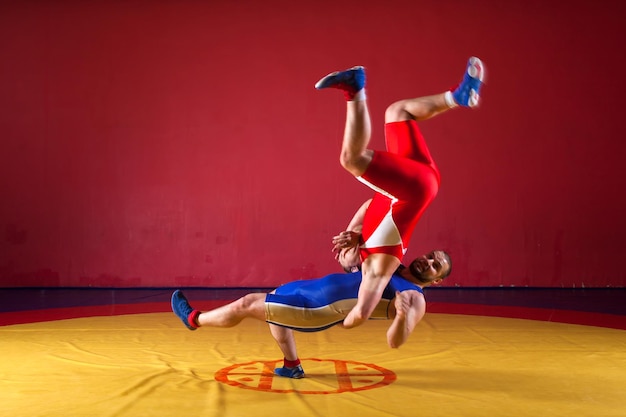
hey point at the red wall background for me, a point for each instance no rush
(181, 143)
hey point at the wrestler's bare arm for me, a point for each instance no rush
(356, 224)
(350, 237)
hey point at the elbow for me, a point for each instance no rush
(394, 344)
(362, 313)
(355, 318)
(360, 316)
(352, 322)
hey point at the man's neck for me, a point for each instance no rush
(405, 273)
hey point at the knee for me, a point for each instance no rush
(397, 112)
(245, 303)
(356, 164)
(349, 163)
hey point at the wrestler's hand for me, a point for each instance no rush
(346, 239)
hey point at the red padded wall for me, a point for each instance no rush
(181, 143)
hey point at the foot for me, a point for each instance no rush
(350, 81)
(295, 373)
(467, 94)
(181, 307)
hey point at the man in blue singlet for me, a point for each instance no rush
(318, 304)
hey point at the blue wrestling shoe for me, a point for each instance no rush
(181, 307)
(295, 373)
(350, 81)
(467, 94)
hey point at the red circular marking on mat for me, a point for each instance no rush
(349, 376)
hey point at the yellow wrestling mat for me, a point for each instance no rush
(453, 365)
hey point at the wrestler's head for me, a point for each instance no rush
(432, 267)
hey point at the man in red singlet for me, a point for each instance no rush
(404, 177)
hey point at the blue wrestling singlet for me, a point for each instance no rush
(317, 304)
